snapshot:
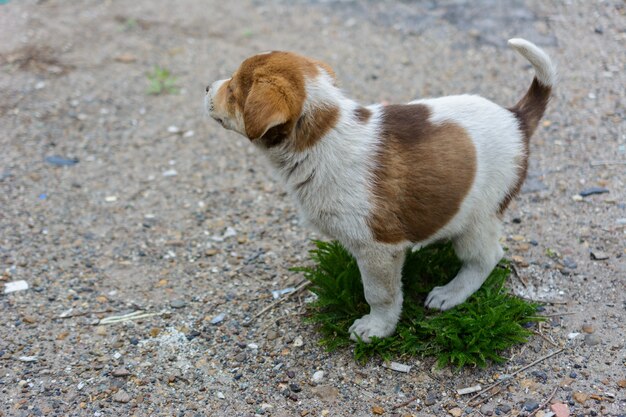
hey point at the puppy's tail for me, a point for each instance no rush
(531, 107)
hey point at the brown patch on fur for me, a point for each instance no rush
(362, 114)
(269, 91)
(424, 172)
(528, 112)
(312, 127)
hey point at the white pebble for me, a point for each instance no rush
(253, 346)
(15, 286)
(221, 396)
(173, 129)
(318, 376)
(170, 173)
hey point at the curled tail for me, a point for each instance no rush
(531, 107)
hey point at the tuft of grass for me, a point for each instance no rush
(161, 81)
(471, 334)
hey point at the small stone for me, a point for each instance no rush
(593, 190)
(15, 286)
(431, 399)
(60, 161)
(570, 263)
(504, 408)
(101, 331)
(126, 58)
(298, 341)
(580, 397)
(295, 387)
(519, 260)
(587, 328)
(378, 410)
(455, 412)
(318, 376)
(486, 409)
(291, 374)
(121, 397)
(577, 197)
(592, 339)
(218, 319)
(110, 199)
(210, 252)
(253, 346)
(178, 304)
(154, 332)
(599, 255)
(170, 173)
(325, 392)
(221, 395)
(29, 319)
(271, 335)
(530, 405)
(120, 372)
(560, 409)
(622, 383)
(173, 129)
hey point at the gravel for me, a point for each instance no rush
(191, 228)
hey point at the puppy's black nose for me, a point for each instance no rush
(208, 87)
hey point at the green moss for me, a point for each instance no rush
(472, 333)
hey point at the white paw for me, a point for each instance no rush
(369, 326)
(446, 297)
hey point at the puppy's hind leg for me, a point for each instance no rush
(480, 251)
(381, 272)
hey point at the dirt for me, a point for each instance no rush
(107, 233)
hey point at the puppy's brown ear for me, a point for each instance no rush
(266, 106)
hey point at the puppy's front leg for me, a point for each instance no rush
(381, 272)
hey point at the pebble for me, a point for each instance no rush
(170, 173)
(504, 408)
(592, 339)
(60, 161)
(560, 409)
(588, 328)
(295, 387)
(580, 397)
(431, 399)
(486, 409)
(221, 395)
(570, 263)
(178, 304)
(14, 286)
(291, 374)
(173, 129)
(378, 410)
(593, 190)
(271, 335)
(622, 383)
(253, 346)
(325, 392)
(218, 319)
(530, 405)
(298, 341)
(599, 255)
(318, 376)
(120, 372)
(455, 412)
(121, 397)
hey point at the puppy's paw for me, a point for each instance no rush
(446, 297)
(369, 326)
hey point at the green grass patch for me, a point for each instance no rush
(160, 81)
(473, 333)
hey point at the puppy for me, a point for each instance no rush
(381, 179)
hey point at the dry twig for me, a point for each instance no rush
(298, 289)
(512, 375)
(544, 403)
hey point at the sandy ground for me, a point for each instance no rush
(165, 212)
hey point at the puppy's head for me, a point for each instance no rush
(265, 96)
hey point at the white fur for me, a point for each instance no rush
(545, 71)
(332, 184)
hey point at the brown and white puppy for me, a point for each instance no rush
(381, 179)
